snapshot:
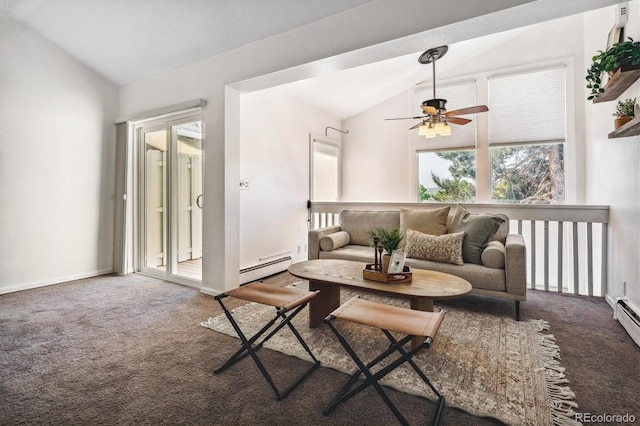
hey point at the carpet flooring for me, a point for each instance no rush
(130, 350)
(487, 365)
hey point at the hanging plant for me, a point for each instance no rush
(618, 55)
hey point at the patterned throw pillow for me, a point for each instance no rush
(444, 248)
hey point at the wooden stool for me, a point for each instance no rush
(411, 322)
(284, 300)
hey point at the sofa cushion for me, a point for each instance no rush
(360, 223)
(503, 229)
(334, 241)
(478, 228)
(443, 248)
(493, 255)
(479, 276)
(431, 221)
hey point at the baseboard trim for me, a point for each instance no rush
(611, 300)
(54, 281)
(209, 291)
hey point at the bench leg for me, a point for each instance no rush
(517, 310)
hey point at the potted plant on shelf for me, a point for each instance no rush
(625, 111)
(390, 240)
(624, 53)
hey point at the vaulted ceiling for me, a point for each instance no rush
(128, 41)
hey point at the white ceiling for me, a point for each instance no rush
(349, 92)
(130, 40)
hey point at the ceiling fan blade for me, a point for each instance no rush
(408, 118)
(465, 111)
(429, 110)
(417, 125)
(458, 120)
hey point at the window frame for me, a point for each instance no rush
(313, 138)
(483, 161)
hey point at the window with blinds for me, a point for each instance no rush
(325, 170)
(526, 134)
(527, 108)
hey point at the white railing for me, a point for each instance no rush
(566, 244)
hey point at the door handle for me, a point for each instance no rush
(199, 200)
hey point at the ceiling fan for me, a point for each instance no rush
(436, 119)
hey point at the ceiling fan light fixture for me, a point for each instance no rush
(424, 130)
(442, 128)
(428, 130)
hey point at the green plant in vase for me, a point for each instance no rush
(389, 239)
(625, 111)
(620, 54)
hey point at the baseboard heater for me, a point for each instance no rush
(629, 319)
(262, 270)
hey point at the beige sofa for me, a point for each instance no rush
(503, 275)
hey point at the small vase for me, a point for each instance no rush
(621, 121)
(386, 258)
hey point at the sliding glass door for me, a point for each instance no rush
(170, 199)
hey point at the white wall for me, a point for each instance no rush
(274, 158)
(614, 164)
(378, 164)
(56, 164)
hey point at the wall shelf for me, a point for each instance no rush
(630, 128)
(618, 83)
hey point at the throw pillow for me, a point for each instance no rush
(493, 255)
(444, 248)
(431, 221)
(477, 228)
(334, 241)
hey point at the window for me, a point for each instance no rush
(447, 165)
(524, 133)
(526, 137)
(325, 169)
(447, 176)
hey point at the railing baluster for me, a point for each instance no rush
(546, 255)
(590, 258)
(533, 253)
(560, 251)
(604, 259)
(576, 257)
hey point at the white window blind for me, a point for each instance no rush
(527, 108)
(325, 179)
(459, 95)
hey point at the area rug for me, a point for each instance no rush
(489, 366)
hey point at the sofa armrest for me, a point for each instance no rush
(313, 243)
(516, 265)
